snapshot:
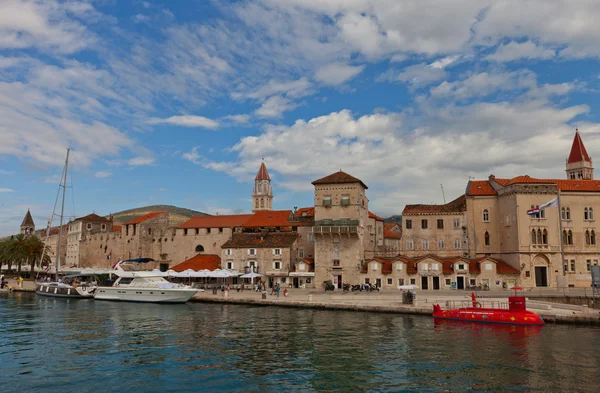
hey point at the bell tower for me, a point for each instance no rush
(27, 226)
(579, 163)
(262, 194)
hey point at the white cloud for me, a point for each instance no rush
(6, 190)
(275, 106)
(54, 179)
(5, 172)
(419, 75)
(102, 175)
(240, 119)
(187, 121)
(193, 156)
(140, 161)
(336, 73)
(521, 50)
(46, 25)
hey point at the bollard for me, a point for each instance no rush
(310, 298)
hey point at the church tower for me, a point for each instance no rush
(262, 195)
(579, 163)
(27, 226)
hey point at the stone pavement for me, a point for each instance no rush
(391, 301)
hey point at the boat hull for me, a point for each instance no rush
(65, 291)
(489, 315)
(144, 295)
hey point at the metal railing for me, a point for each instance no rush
(337, 223)
(454, 304)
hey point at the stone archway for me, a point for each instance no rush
(541, 270)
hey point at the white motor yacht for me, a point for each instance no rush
(144, 286)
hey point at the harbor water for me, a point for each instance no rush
(62, 345)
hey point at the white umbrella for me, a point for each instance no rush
(252, 276)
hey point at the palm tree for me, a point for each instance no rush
(19, 249)
(35, 249)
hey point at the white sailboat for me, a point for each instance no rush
(75, 286)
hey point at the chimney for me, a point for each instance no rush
(491, 177)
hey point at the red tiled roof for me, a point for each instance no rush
(456, 206)
(504, 268)
(199, 262)
(339, 178)
(308, 261)
(577, 185)
(116, 228)
(257, 240)
(262, 173)
(391, 235)
(143, 218)
(227, 221)
(273, 218)
(528, 180)
(578, 152)
(305, 212)
(92, 218)
(480, 188)
(389, 225)
(376, 217)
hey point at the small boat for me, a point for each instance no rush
(74, 286)
(515, 314)
(143, 286)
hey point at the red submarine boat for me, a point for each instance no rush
(516, 314)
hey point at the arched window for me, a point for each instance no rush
(256, 203)
(563, 215)
(568, 215)
(591, 214)
(199, 248)
(262, 202)
(587, 237)
(533, 238)
(487, 238)
(259, 187)
(545, 237)
(539, 236)
(593, 238)
(570, 237)
(486, 215)
(585, 214)
(564, 237)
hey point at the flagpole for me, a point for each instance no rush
(560, 235)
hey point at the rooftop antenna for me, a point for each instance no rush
(443, 195)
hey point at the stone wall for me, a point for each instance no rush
(93, 251)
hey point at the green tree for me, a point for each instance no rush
(21, 249)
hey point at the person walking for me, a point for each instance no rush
(277, 289)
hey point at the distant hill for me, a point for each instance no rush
(397, 218)
(177, 215)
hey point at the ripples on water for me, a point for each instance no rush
(51, 345)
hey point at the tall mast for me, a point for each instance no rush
(62, 211)
(49, 227)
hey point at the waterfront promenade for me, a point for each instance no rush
(390, 301)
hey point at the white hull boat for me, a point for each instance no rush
(144, 286)
(58, 289)
(145, 295)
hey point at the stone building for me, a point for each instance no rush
(499, 225)
(51, 240)
(431, 272)
(79, 230)
(435, 229)
(27, 226)
(272, 254)
(101, 249)
(262, 194)
(340, 229)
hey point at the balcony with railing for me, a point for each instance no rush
(336, 226)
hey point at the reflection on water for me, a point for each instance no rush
(85, 346)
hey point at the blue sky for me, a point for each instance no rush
(177, 102)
